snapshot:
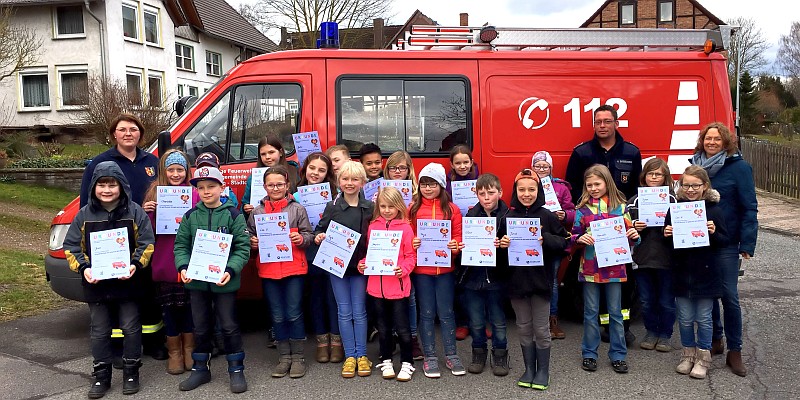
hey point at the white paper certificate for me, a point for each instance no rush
(306, 143)
(525, 248)
(274, 244)
(209, 256)
(550, 197)
(611, 246)
(464, 195)
(689, 228)
(110, 254)
(314, 198)
(172, 203)
(370, 188)
(478, 234)
(434, 235)
(257, 191)
(337, 249)
(383, 250)
(404, 186)
(653, 205)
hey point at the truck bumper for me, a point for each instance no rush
(63, 281)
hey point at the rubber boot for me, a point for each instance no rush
(102, 380)
(734, 361)
(500, 362)
(541, 380)
(284, 361)
(175, 363)
(201, 374)
(478, 360)
(236, 372)
(337, 350)
(323, 348)
(298, 369)
(702, 360)
(130, 375)
(529, 359)
(187, 340)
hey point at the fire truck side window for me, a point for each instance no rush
(417, 115)
(211, 132)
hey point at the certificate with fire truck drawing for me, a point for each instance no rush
(209, 256)
(337, 249)
(172, 203)
(464, 195)
(689, 224)
(383, 250)
(274, 244)
(110, 254)
(434, 234)
(314, 198)
(306, 143)
(611, 245)
(257, 191)
(403, 185)
(653, 204)
(478, 234)
(525, 248)
(370, 188)
(550, 197)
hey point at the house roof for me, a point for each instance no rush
(713, 18)
(364, 38)
(417, 18)
(216, 18)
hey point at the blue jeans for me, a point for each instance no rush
(658, 301)
(482, 302)
(324, 317)
(691, 311)
(351, 296)
(591, 326)
(101, 321)
(286, 305)
(412, 311)
(435, 295)
(728, 261)
(554, 296)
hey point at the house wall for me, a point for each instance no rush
(199, 78)
(685, 16)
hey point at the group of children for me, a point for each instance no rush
(192, 309)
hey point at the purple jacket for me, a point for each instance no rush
(162, 263)
(563, 192)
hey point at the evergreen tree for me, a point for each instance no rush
(748, 114)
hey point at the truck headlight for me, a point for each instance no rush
(57, 235)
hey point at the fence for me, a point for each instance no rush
(776, 168)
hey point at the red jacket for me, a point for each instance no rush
(392, 287)
(298, 222)
(431, 209)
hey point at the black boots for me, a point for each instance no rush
(236, 372)
(541, 380)
(529, 358)
(200, 372)
(130, 375)
(102, 380)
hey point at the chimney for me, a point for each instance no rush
(463, 19)
(284, 39)
(377, 33)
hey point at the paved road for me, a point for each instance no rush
(47, 357)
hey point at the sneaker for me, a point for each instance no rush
(649, 342)
(589, 364)
(664, 345)
(454, 364)
(416, 351)
(462, 332)
(387, 369)
(431, 367)
(620, 366)
(349, 367)
(406, 371)
(364, 366)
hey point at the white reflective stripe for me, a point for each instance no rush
(684, 140)
(688, 91)
(677, 164)
(687, 115)
(626, 314)
(117, 333)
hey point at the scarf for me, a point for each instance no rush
(711, 165)
(275, 206)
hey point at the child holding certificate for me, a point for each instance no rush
(530, 287)
(173, 170)
(435, 286)
(217, 298)
(110, 207)
(270, 154)
(601, 200)
(695, 273)
(353, 211)
(390, 293)
(282, 281)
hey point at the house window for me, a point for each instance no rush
(151, 29)
(134, 83)
(74, 86)
(665, 11)
(193, 91)
(69, 22)
(34, 88)
(184, 57)
(130, 26)
(180, 90)
(154, 91)
(213, 63)
(627, 13)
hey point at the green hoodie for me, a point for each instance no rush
(225, 219)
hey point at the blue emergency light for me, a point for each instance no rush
(328, 36)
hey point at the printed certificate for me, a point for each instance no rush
(611, 246)
(314, 198)
(337, 249)
(306, 143)
(404, 186)
(209, 256)
(257, 191)
(274, 244)
(371, 188)
(110, 254)
(550, 197)
(653, 205)
(434, 235)
(525, 248)
(689, 228)
(172, 203)
(464, 195)
(478, 234)
(383, 250)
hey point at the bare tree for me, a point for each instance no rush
(19, 45)
(748, 40)
(255, 16)
(789, 52)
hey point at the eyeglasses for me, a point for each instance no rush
(398, 168)
(131, 130)
(276, 186)
(600, 122)
(655, 175)
(694, 186)
(428, 185)
(541, 168)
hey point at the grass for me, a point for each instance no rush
(23, 288)
(782, 140)
(86, 151)
(47, 199)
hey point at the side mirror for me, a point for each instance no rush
(164, 142)
(183, 104)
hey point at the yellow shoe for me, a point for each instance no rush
(349, 367)
(364, 366)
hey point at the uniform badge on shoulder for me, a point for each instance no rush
(624, 177)
(150, 171)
